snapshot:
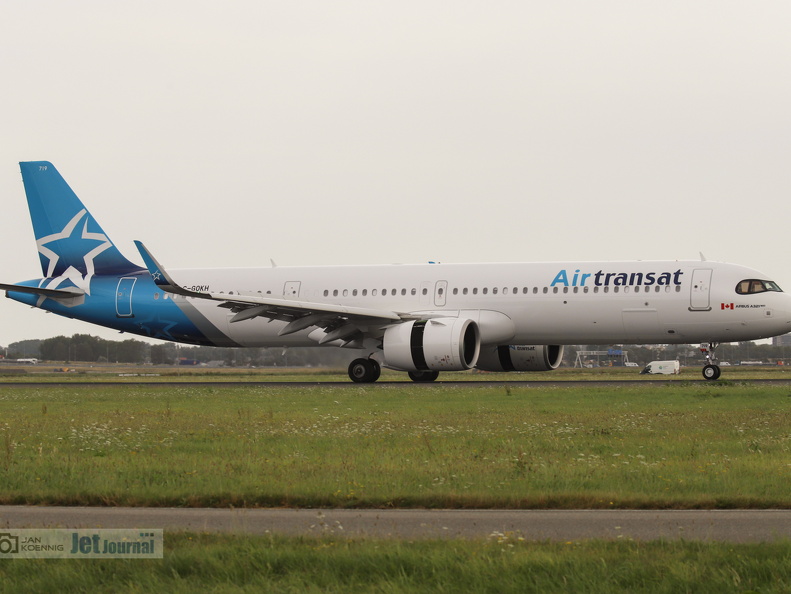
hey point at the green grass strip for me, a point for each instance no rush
(674, 447)
(225, 563)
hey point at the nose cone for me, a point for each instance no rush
(781, 313)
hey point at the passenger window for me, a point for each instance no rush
(365, 292)
(485, 290)
(494, 291)
(475, 291)
(464, 291)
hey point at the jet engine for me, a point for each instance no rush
(520, 357)
(439, 344)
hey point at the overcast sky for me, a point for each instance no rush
(229, 133)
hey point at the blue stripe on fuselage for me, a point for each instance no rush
(151, 314)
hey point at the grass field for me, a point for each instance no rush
(683, 445)
(221, 563)
(675, 445)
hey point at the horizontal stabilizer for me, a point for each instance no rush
(69, 293)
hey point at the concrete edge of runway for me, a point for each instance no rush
(736, 526)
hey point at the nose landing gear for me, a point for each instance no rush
(711, 371)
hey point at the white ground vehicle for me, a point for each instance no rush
(665, 367)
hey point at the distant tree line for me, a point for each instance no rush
(92, 349)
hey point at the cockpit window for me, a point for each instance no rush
(752, 286)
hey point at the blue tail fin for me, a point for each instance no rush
(67, 236)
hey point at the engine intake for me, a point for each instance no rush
(520, 357)
(439, 344)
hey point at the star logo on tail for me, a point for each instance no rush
(72, 251)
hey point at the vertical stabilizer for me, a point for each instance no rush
(70, 241)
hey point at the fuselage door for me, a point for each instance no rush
(291, 289)
(440, 293)
(699, 297)
(123, 297)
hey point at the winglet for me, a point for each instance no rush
(161, 278)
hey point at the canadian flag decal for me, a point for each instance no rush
(726, 305)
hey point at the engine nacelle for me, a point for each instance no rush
(439, 344)
(520, 357)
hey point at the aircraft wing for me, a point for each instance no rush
(340, 322)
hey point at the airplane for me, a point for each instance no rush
(420, 319)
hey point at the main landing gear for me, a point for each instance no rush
(423, 376)
(711, 370)
(364, 371)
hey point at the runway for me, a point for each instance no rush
(416, 385)
(736, 526)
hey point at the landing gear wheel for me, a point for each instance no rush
(364, 371)
(423, 376)
(711, 372)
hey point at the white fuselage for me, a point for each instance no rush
(531, 303)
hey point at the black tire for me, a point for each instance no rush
(711, 372)
(364, 371)
(423, 376)
(377, 370)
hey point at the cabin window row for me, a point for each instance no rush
(497, 290)
(374, 292)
